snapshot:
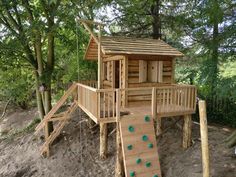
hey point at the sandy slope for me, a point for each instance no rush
(76, 153)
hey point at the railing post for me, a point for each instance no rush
(154, 103)
(154, 111)
(117, 105)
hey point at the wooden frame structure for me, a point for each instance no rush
(136, 77)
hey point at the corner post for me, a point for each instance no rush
(119, 170)
(103, 126)
(204, 138)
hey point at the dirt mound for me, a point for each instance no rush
(76, 153)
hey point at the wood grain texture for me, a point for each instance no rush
(112, 46)
(140, 147)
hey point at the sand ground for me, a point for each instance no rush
(76, 152)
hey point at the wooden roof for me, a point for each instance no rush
(111, 46)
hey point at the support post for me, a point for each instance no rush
(47, 153)
(119, 171)
(103, 126)
(103, 140)
(155, 117)
(204, 138)
(187, 131)
(99, 58)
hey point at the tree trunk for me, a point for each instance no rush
(156, 24)
(214, 59)
(38, 97)
(48, 105)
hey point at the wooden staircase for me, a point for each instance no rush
(59, 119)
(139, 146)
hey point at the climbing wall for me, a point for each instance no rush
(139, 146)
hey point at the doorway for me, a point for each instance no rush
(117, 74)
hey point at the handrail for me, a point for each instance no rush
(88, 87)
(56, 107)
(107, 104)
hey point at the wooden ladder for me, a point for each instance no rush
(139, 146)
(61, 119)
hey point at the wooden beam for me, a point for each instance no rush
(99, 60)
(204, 138)
(90, 31)
(114, 58)
(119, 170)
(187, 131)
(103, 140)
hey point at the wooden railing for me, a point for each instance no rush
(91, 83)
(103, 105)
(176, 98)
(108, 104)
(88, 101)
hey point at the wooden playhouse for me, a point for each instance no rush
(135, 89)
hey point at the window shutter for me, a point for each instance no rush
(152, 71)
(142, 71)
(160, 71)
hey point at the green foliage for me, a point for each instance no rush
(16, 83)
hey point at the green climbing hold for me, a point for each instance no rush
(131, 128)
(145, 138)
(147, 119)
(138, 161)
(130, 147)
(132, 173)
(155, 176)
(150, 145)
(148, 164)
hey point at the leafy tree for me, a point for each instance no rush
(32, 25)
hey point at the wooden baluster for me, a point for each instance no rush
(185, 98)
(164, 95)
(177, 95)
(98, 105)
(108, 105)
(117, 105)
(104, 104)
(195, 97)
(113, 104)
(189, 98)
(168, 97)
(171, 96)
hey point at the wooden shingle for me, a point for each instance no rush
(111, 46)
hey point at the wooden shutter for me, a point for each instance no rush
(152, 71)
(142, 71)
(160, 71)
